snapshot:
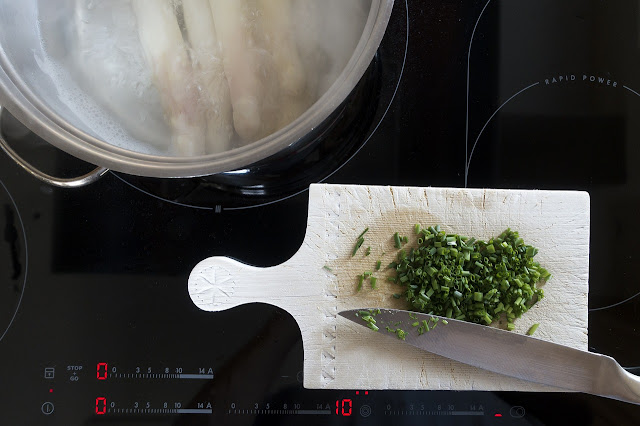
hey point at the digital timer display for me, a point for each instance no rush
(106, 403)
(101, 402)
(101, 405)
(121, 404)
(344, 407)
(101, 369)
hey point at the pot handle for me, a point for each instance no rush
(48, 179)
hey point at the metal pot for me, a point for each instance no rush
(26, 91)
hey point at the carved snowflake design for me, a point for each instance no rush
(211, 288)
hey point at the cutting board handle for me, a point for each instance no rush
(220, 283)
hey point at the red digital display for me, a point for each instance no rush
(101, 371)
(101, 405)
(344, 407)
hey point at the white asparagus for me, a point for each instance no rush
(207, 62)
(308, 31)
(108, 62)
(167, 56)
(279, 36)
(341, 33)
(242, 65)
(278, 31)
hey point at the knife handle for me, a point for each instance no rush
(615, 382)
(610, 380)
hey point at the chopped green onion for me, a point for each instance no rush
(359, 242)
(533, 329)
(425, 325)
(362, 233)
(396, 239)
(458, 277)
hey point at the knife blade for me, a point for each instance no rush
(504, 352)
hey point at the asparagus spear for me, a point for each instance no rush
(207, 62)
(277, 25)
(172, 72)
(279, 38)
(242, 65)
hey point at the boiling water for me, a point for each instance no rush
(96, 60)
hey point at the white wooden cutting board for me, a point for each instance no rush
(341, 355)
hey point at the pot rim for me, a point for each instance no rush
(20, 100)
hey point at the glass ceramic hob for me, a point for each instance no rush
(97, 327)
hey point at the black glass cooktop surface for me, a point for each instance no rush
(96, 323)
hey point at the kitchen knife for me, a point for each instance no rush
(504, 352)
